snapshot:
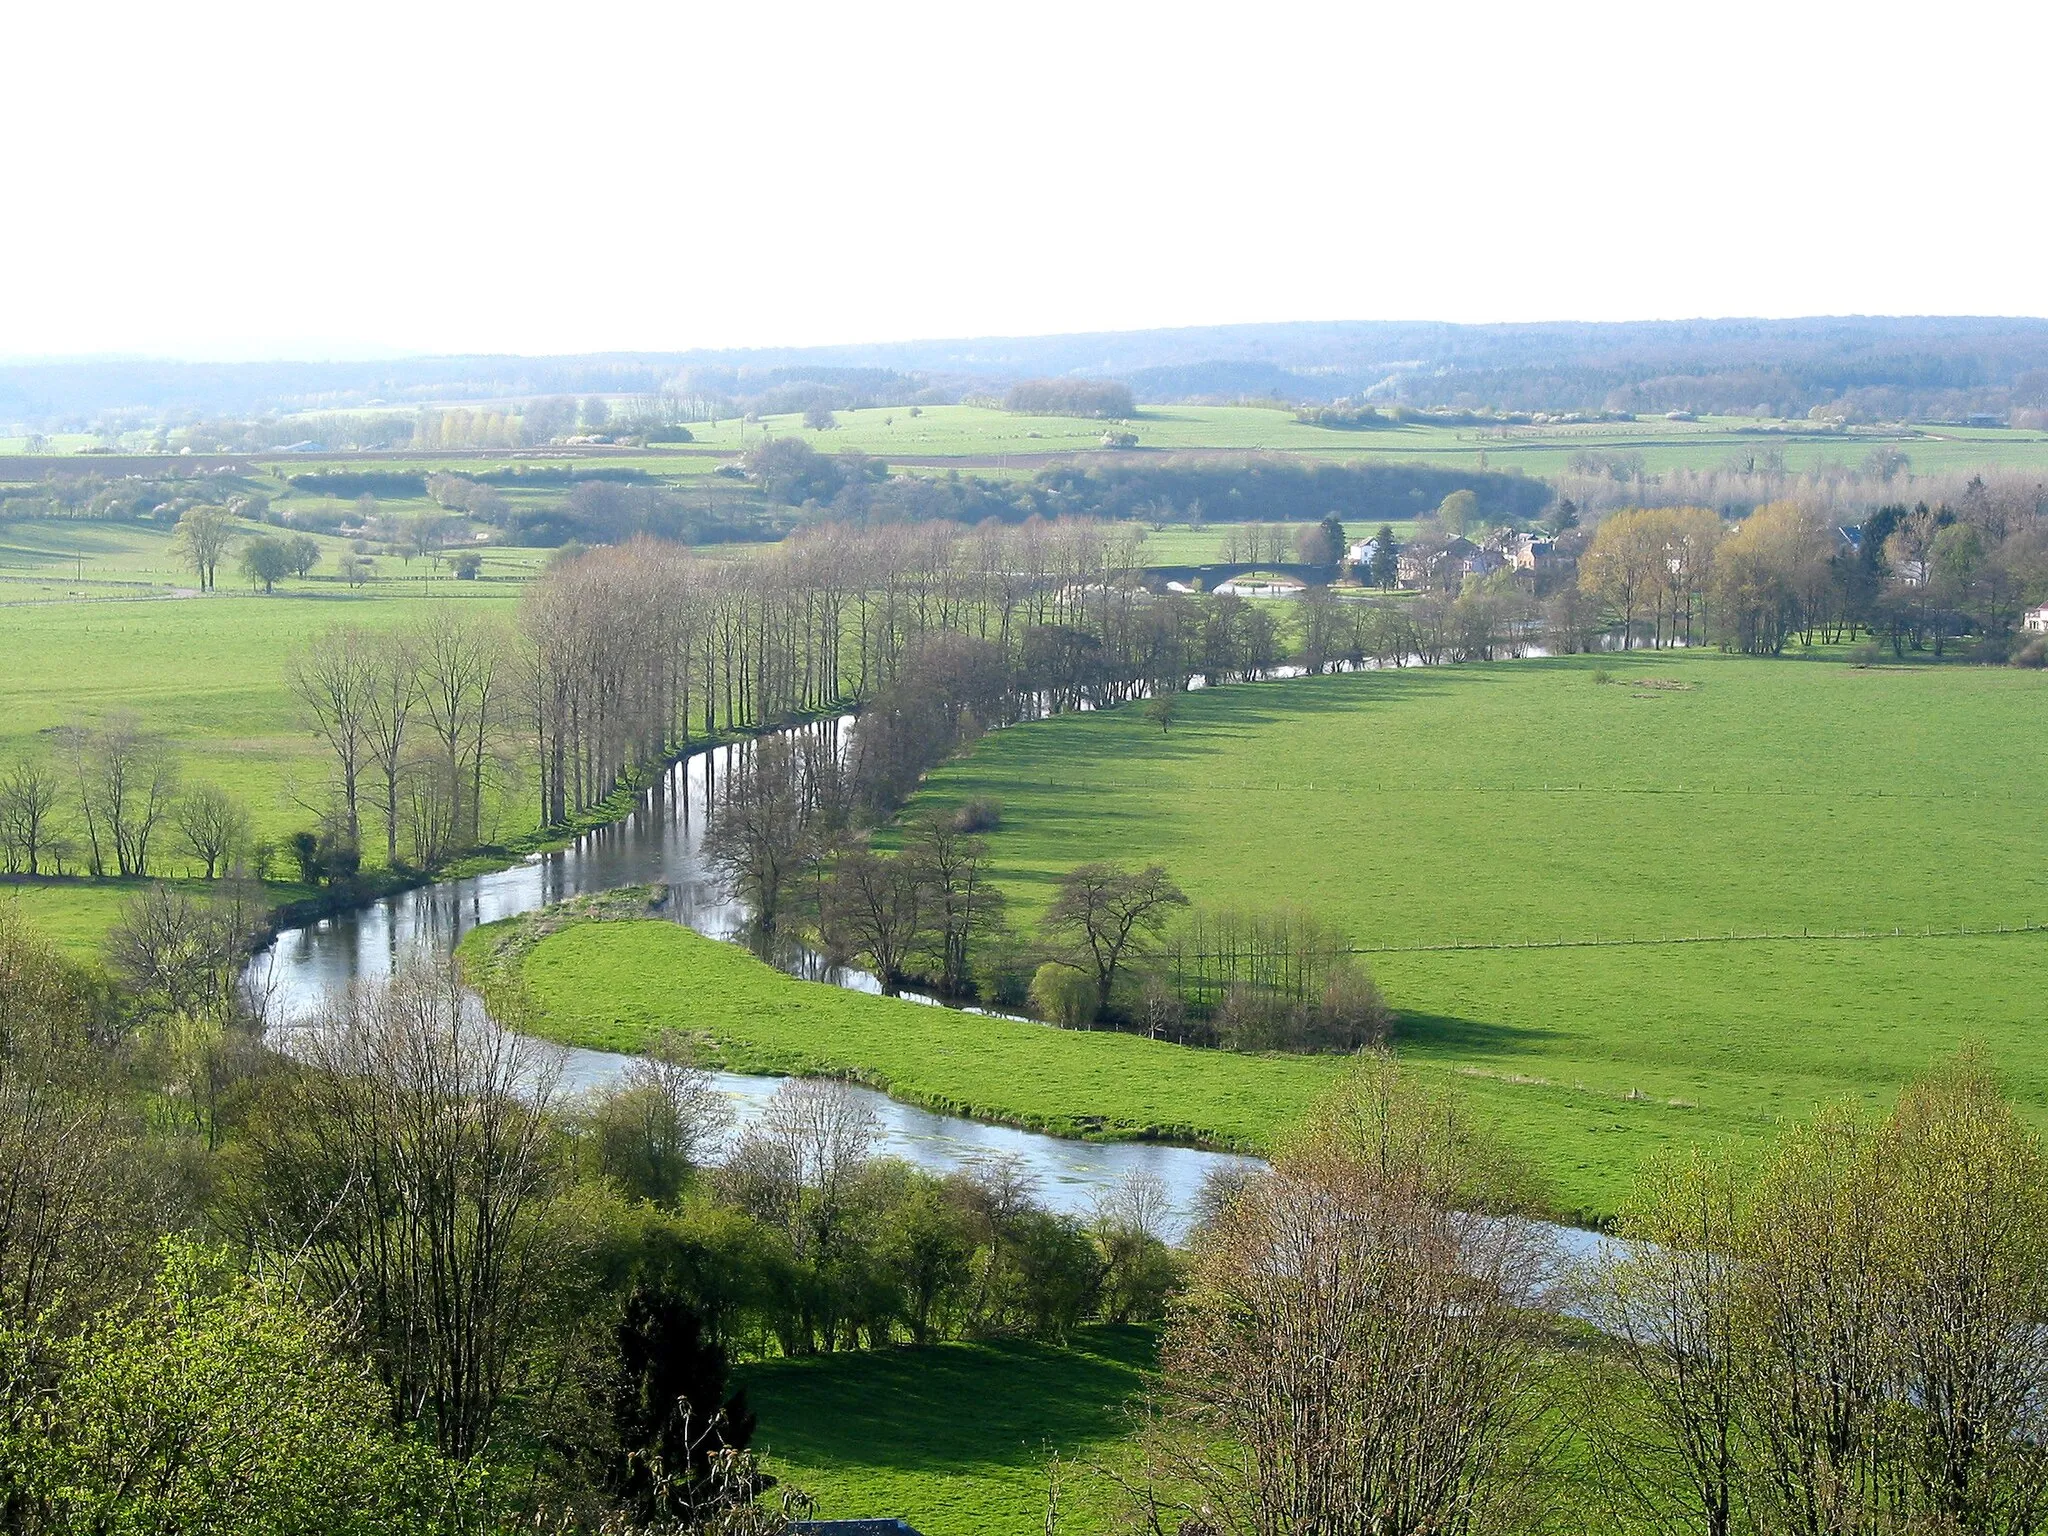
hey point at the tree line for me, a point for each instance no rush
(1913, 577)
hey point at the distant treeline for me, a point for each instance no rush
(1256, 488)
(1926, 367)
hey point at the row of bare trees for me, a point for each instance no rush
(109, 803)
(417, 723)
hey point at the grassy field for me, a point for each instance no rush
(61, 560)
(978, 432)
(614, 985)
(1697, 830)
(1691, 796)
(954, 1438)
(958, 1439)
(208, 672)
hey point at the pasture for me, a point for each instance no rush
(994, 439)
(209, 673)
(960, 1439)
(1681, 905)
(1446, 818)
(954, 1438)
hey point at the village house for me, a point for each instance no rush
(2035, 620)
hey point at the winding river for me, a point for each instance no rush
(660, 843)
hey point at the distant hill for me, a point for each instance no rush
(1872, 366)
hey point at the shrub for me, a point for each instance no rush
(467, 564)
(980, 814)
(1063, 995)
(2033, 654)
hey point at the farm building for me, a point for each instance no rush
(2035, 620)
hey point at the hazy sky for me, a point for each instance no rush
(322, 179)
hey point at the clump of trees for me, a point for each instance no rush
(419, 725)
(1274, 980)
(1846, 1337)
(1101, 399)
(1792, 570)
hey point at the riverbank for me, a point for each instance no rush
(616, 984)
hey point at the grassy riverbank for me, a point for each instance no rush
(615, 985)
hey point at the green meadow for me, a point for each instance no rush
(996, 439)
(208, 672)
(1625, 905)
(955, 1438)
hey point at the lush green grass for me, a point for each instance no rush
(995, 436)
(958, 1438)
(614, 985)
(955, 1438)
(46, 560)
(1505, 806)
(1527, 802)
(208, 672)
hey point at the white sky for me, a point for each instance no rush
(319, 179)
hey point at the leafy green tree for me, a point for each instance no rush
(671, 1411)
(202, 539)
(1386, 559)
(1458, 512)
(265, 562)
(302, 550)
(214, 1406)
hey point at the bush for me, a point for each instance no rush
(2033, 654)
(1063, 996)
(980, 814)
(466, 565)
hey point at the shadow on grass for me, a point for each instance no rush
(1445, 1032)
(949, 1406)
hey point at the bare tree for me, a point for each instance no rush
(965, 902)
(29, 795)
(336, 681)
(214, 827)
(1107, 914)
(461, 681)
(1351, 1357)
(179, 956)
(202, 539)
(762, 838)
(407, 1163)
(875, 908)
(388, 705)
(126, 782)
